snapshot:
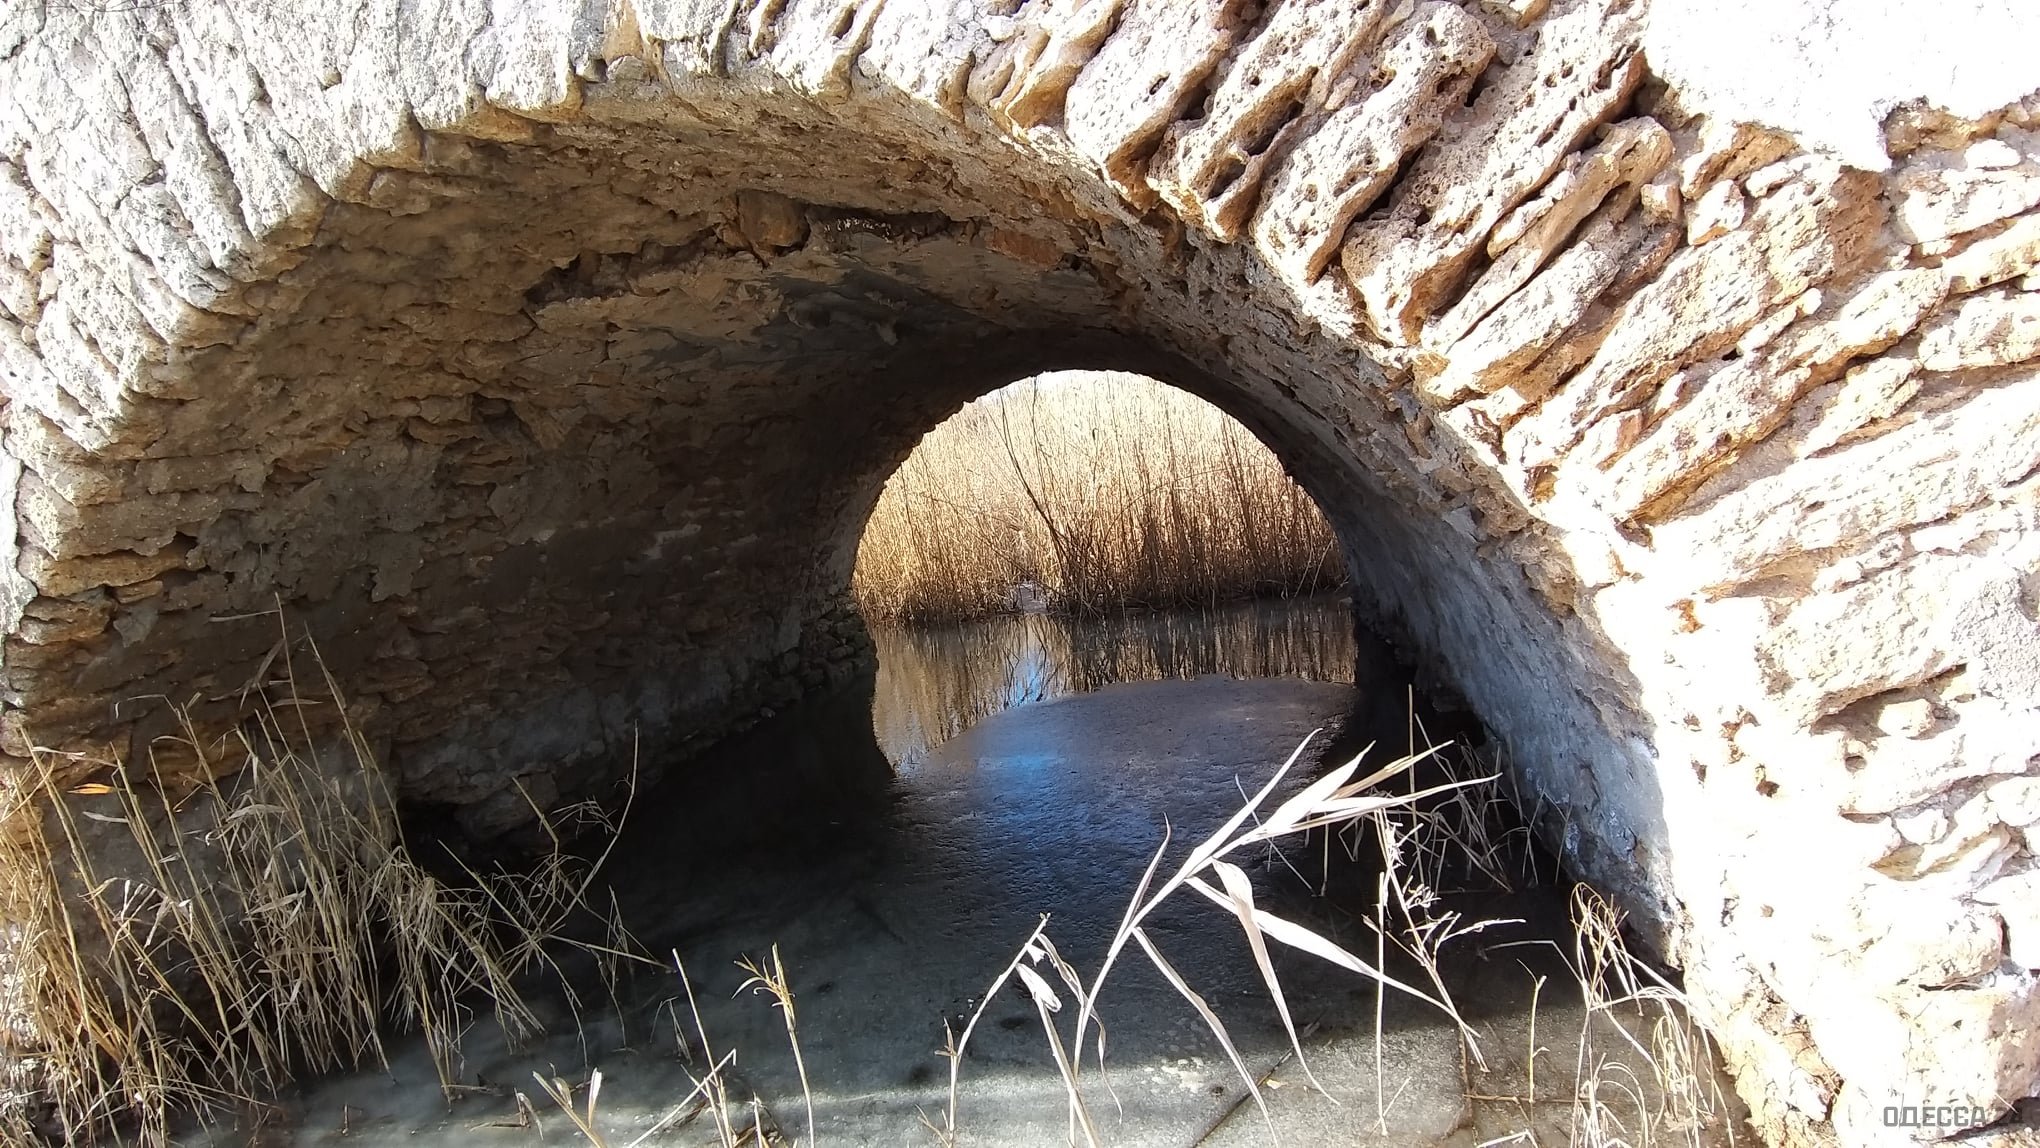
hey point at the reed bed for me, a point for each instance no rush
(1086, 492)
(935, 681)
(259, 924)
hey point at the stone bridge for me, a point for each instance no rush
(1668, 376)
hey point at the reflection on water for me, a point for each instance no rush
(934, 682)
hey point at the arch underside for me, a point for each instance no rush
(544, 371)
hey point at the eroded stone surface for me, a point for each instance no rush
(543, 362)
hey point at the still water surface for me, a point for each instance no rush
(934, 682)
(898, 850)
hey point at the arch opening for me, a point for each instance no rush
(489, 345)
(562, 445)
(1078, 529)
(1082, 493)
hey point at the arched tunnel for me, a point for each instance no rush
(543, 367)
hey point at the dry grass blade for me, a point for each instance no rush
(774, 982)
(1239, 897)
(1211, 1021)
(1305, 940)
(1144, 903)
(1048, 1004)
(954, 1046)
(562, 1094)
(1335, 799)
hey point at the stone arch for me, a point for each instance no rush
(513, 352)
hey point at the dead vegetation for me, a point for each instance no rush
(936, 681)
(185, 949)
(1643, 1072)
(1089, 492)
(274, 926)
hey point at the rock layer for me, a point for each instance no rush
(541, 363)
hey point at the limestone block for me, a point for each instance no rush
(1991, 329)
(769, 222)
(1026, 80)
(1996, 629)
(1703, 296)
(63, 577)
(1518, 12)
(1941, 194)
(1908, 718)
(1868, 395)
(1964, 1047)
(2016, 801)
(1973, 849)
(277, 203)
(1739, 275)
(1531, 321)
(432, 66)
(73, 474)
(135, 523)
(1916, 474)
(1299, 64)
(53, 621)
(162, 120)
(931, 58)
(1716, 212)
(1745, 402)
(1583, 67)
(1344, 165)
(1630, 152)
(1817, 662)
(1159, 54)
(171, 475)
(815, 43)
(1923, 826)
(25, 222)
(1729, 149)
(2007, 254)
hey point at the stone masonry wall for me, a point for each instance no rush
(541, 362)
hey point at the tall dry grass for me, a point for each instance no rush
(1093, 490)
(177, 950)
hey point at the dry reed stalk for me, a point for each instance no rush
(1100, 491)
(265, 925)
(1333, 800)
(773, 981)
(937, 681)
(1659, 1086)
(1681, 1102)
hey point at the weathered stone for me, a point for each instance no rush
(769, 222)
(1632, 152)
(1329, 179)
(2008, 254)
(1159, 53)
(1584, 66)
(1987, 330)
(1716, 212)
(1029, 76)
(1299, 64)
(1940, 195)
(544, 359)
(2016, 898)
(62, 577)
(2016, 801)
